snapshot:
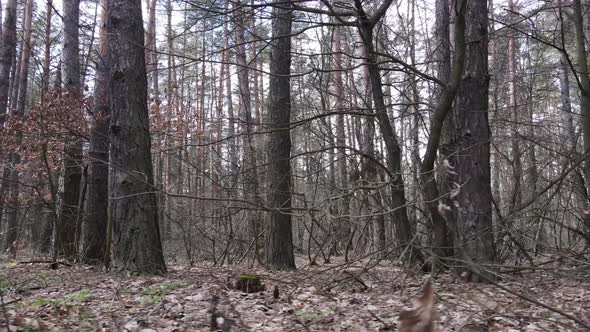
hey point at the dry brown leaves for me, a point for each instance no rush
(324, 298)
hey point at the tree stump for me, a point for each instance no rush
(248, 283)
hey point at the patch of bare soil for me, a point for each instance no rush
(364, 296)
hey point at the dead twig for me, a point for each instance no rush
(46, 262)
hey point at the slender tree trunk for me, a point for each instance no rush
(393, 149)
(151, 50)
(66, 231)
(255, 74)
(47, 53)
(516, 108)
(88, 55)
(95, 232)
(58, 80)
(250, 174)
(232, 142)
(584, 82)
(343, 228)
(569, 138)
(52, 218)
(15, 77)
(45, 214)
(496, 164)
(169, 172)
(279, 249)
(137, 246)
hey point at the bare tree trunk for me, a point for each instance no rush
(416, 120)
(250, 173)
(95, 232)
(168, 171)
(394, 157)
(58, 80)
(258, 106)
(516, 108)
(7, 53)
(468, 150)
(569, 138)
(47, 54)
(584, 84)
(343, 228)
(51, 209)
(279, 249)
(12, 217)
(151, 50)
(65, 239)
(137, 246)
(445, 97)
(232, 142)
(46, 214)
(15, 80)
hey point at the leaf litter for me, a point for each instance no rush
(363, 296)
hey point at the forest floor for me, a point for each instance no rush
(363, 296)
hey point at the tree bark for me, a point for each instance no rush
(47, 53)
(468, 150)
(66, 230)
(516, 106)
(151, 51)
(7, 53)
(584, 84)
(232, 142)
(137, 246)
(279, 249)
(95, 231)
(250, 173)
(442, 244)
(12, 216)
(343, 229)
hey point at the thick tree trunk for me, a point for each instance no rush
(95, 231)
(66, 230)
(468, 150)
(137, 246)
(279, 249)
(442, 243)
